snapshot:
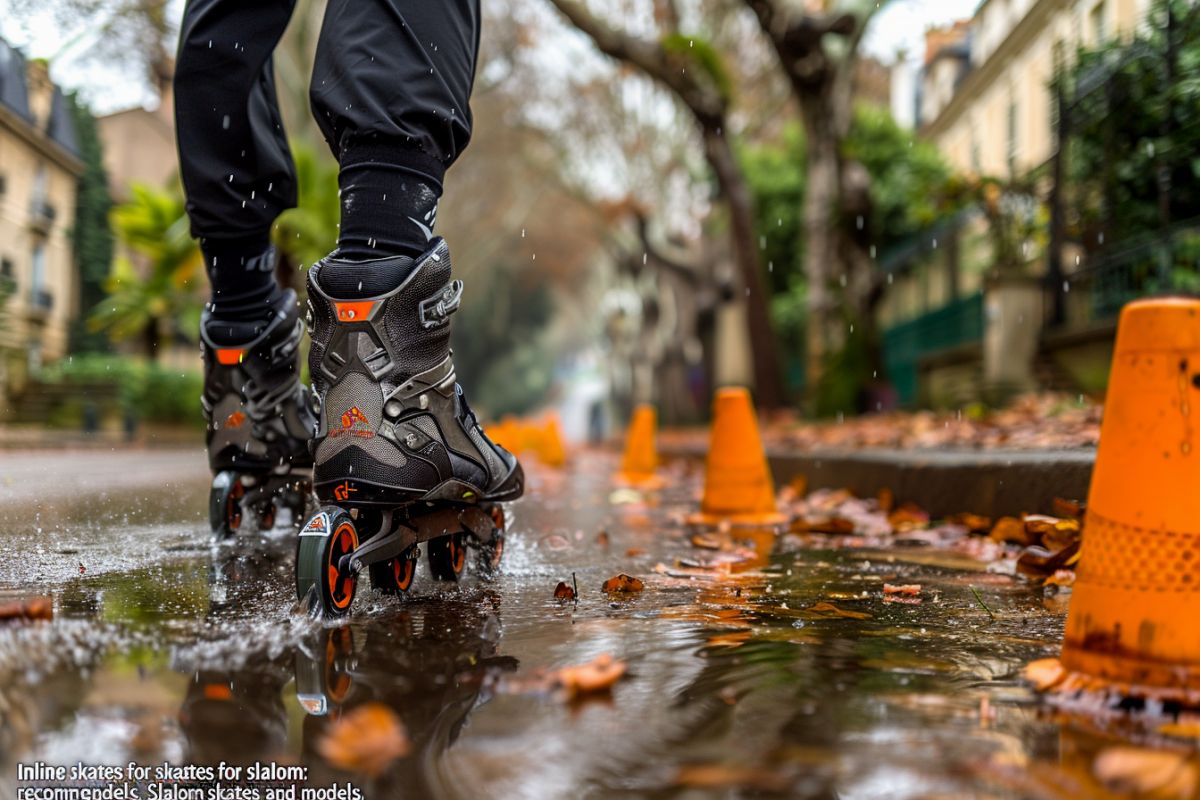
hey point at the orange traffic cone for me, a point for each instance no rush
(737, 484)
(549, 439)
(1132, 627)
(641, 456)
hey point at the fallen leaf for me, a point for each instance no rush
(554, 542)
(972, 522)
(1068, 508)
(367, 740)
(1062, 577)
(37, 608)
(623, 583)
(907, 517)
(835, 525)
(1143, 772)
(907, 588)
(598, 675)
(563, 591)
(1045, 673)
(1010, 529)
(706, 541)
(602, 538)
(828, 609)
(634, 552)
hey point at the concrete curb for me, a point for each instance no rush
(991, 483)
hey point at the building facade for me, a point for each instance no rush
(39, 173)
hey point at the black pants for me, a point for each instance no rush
(390, 85)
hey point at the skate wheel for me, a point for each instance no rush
(394, 576)
(266, 517)
(447, 556)
(323, 542)
(492, 552)
(225, 504)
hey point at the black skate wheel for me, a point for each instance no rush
(394, 576)
(225, 504)
(323, 541)
(492, 552)
(448, 556)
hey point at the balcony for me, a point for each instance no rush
(41, 302)
(41, 216)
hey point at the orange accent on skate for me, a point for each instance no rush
(217, 691)
(235, 420)
(342, 491)
(230, 356)
(354, 312)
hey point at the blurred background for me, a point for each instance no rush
(851, 207)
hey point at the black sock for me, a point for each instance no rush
(241, 272)
(389, 195)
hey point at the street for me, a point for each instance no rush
(792, 672)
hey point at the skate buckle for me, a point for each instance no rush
(436, 310)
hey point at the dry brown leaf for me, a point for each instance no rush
(623, 583)
(1010, 529)
(1062, 577)
(828, 609)
(602, 538)
(907, 588)
(37, 608)
(706, 541)
(1068, 508)
(598, 675)
(1149, 773)
(366, 740)
(835, 525)
(1045, 673)
(634, 552)
(907, 517)
(887, 499)
(563, 591)
(972, 522)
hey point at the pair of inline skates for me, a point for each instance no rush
(384, 438)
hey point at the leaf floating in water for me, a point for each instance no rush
(563, 591)
(367, 740)
(37, 608)
(597, 675)
(827, 609)
(1045, 673)
(623, 584)
(912, 589)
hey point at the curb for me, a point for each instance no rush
(943, 482)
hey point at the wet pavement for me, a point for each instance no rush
(789, 673)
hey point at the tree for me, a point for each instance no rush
(154, 292)
(693, 71)
(91, 236)
(819, 52)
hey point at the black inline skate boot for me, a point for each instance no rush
(260, 418)
(399, 457)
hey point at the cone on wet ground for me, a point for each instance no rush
(1132, 628)
(639, 464)
(549, 442)
(738, 487)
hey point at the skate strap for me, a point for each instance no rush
(440, 378)
(436, 310)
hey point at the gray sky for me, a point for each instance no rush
(900, 25)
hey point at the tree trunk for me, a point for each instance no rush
(732, 183)
(822, 193)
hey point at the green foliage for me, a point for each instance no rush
(498, 348)
(701, 53)
(1130, 123)
(144, 390)
(92, 236)
(162, 289)
(847, 372)
(309, 232)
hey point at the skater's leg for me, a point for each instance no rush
(234, 160)
(390, 90)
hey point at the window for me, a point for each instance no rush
(38, 279)
(7, 268)
(41, 185)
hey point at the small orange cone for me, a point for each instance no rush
(641, 456)
(1132, 627)
(737, 485)
(549, 447)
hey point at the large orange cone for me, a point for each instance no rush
(1133, 625)
(737, 484)
(640, 461)
(549, 442)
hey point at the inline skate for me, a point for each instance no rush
(399, 458)
(260, 418)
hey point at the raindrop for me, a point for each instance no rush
(1066, 286)
(935, 244)
(859, 222)
(770, 266)
(225, 122)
